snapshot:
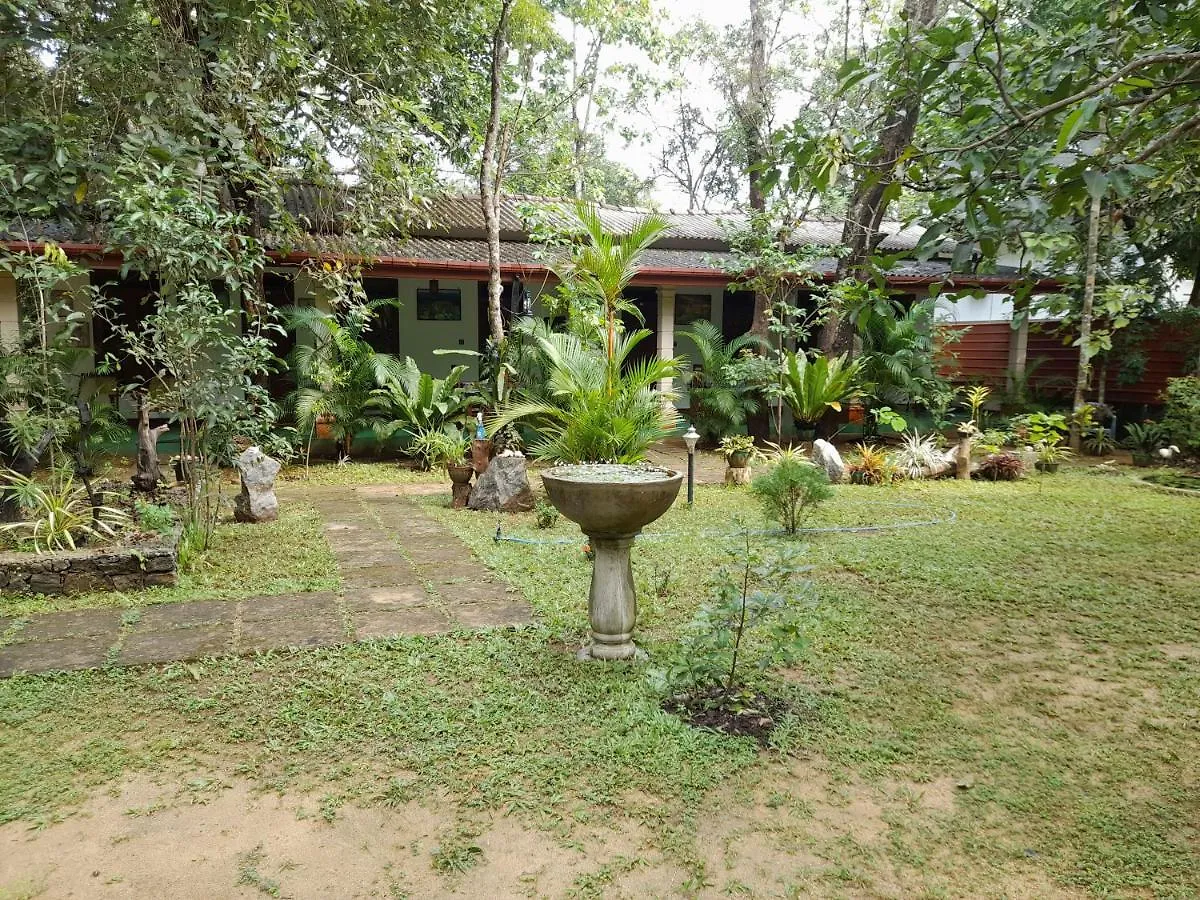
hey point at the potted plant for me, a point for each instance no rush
(1050, 453)
(444, 450)
(1142, 439)
(739, 450)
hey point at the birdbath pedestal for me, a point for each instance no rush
(611, 504)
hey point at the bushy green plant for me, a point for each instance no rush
(438, 449)
(738, 443)
(1181, 413)
(752, 623)
(1144, 437)
(790, 489)
(899, 345)
(58, 514)
(545, 513)
(1098, 441)
(719, 398)
(813, 387)
(416, 400)
(155, 516)
(1040, 428)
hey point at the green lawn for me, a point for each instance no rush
(999, 706)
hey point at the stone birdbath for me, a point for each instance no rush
(611, 504)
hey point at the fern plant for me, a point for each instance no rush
(720, 400)
(58, 515)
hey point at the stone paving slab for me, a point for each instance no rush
(402, 573)
(183, 643)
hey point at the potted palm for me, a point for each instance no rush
(1142, 439)
(596, 416)
(813, 387)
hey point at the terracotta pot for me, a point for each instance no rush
(460, 474)
(856, 414)
(324, 427)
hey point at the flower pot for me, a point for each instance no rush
(1048, 468)
(856, 414)
(806, 435)
(1142, 458)
(323, 427)
(738, 460)
(460, 474)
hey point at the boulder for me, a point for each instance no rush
(504, 486)
(257, 501)
(826, 456)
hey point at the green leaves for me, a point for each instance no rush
(1079, 119)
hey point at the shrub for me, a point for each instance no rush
(716, 665)
(545, 513)
(154, 517)
(1181, 418)
(1002, 467)
(791, 489)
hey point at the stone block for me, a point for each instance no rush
(195, 642)
(125, 582)
(160, 579)
(55, 656)
(46, 583)
(159, 562)
(83, 582)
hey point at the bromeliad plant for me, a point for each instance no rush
(871, 466)
(58, 514)
(597, 404)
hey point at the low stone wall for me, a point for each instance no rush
(101, 569)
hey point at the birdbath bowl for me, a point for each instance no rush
(611, 504)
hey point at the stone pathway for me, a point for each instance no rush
(402, 573)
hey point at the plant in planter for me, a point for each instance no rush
(1050, 453)
(715, 676)
(1143, 439)
(739, 450)
(813, 387)
(444, 450)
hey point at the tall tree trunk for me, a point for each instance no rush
(1194, 298)
(752, 118)
(489, 174)
(1085, 319)
(867, 204)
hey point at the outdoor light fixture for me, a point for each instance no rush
(691, 438)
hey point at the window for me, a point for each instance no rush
(438, 305)
(691, 308)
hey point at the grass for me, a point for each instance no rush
(287, 555)
(1038, 661)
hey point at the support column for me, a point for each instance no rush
(1018, 352)
(666, 331)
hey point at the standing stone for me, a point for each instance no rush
(826, 456)
(504, 486)
(257, 502)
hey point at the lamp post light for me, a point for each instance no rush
(691, 438)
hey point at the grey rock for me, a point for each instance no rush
(82, 582)
(257, 501)
(504, 486)
(825, 455)
(159, 562)
(45, 584)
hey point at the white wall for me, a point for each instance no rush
(419, 339)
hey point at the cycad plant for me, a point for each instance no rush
(596, 405)
(338, 373)
(813, 387)
(720, 401)
(416, 400)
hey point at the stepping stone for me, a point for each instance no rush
(492, 614)
(63, 655)
(380, 577)
(172, 615)
(194, 642)
(390, 598)
(73, 623)
(312, 631)
(385, 623)
(288, 606)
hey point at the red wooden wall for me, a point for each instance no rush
(982, 356)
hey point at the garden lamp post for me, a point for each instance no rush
(691, 438)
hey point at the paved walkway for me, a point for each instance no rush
(402, 573)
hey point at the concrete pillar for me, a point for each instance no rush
(666, 331)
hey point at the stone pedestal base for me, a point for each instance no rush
(461, 494)
(738, 475)
(612, 603)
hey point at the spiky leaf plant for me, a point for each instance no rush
(58, 515)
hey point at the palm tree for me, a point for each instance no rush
(596, 406)
(584, 413)
(338, 373)
(898, 354)
(719, 404)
